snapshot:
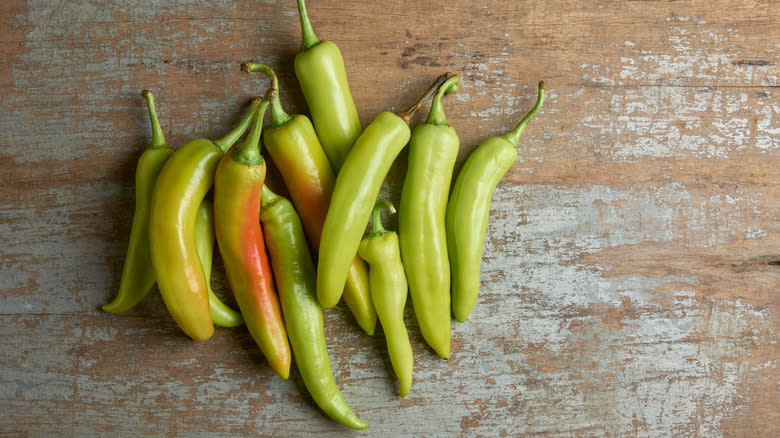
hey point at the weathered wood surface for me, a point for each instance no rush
(631, 268)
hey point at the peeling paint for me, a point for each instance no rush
(630, 264)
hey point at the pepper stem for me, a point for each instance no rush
(278, 116)
(232, 137)
(377, 229)
(513, 136)
(436, 115)
(408, 113)
(158, 138)
(309, 39)
(248, 152)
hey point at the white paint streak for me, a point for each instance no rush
(659, 379)
(660, 120)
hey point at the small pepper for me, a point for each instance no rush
(238, 187)
(389, 290)
(221, 314)
(181, 187)
(322, 76)
(469, 208)
(138, 275)
(295, 279)
(295, 149)
(356, 190)
(433, 150)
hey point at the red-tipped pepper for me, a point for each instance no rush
(238, 187)
(297, 153)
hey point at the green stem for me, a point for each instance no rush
(278, 116)
(513, 136)
(436, 116)
(158, 139)
(377, 229)
(232, 137)
(309, 39)
(248, 152)
(408, 113)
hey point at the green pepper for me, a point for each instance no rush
(238, 187)
(322, 76)
(181, 187)
(221, 314)
(293, 145)
(433, 150)
(295, 279)
(469, 208)
(389, 289)
(356, 190)
(138, 275)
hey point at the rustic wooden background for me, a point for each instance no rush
(631, 268)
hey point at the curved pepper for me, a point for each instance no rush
(295, 278)
(297, 153)
(433, 150)
(138, 275)
(322, 76)
(238, 187)
(356, 190)
(181, 187)
(389, 289)
(469, 208)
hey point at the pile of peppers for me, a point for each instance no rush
(288, 260)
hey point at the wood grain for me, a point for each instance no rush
(632, 261)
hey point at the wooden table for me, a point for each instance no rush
(631, 269)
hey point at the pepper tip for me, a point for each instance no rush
(357, 424)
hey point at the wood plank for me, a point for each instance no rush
(631, 263)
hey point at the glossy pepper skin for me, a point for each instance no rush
(181, 187)
(469, 208)
(238, 187)
(294, 147)
(389, 289)
(295, 279)
(322, 76)
(356, 190)
(433, 150)
(138, 275)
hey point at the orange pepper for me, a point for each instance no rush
(238, 187)
(296, 150)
